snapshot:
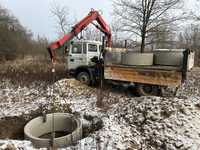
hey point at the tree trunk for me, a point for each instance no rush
(143, 43)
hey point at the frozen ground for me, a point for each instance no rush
(128, 123)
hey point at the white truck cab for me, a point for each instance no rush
(79, 62)
(81, 52)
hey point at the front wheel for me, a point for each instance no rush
(83, 77)
(148, 90)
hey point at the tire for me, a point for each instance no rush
(132, 92)
(147, 90)
(84, 77)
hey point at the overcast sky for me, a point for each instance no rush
(36, 16)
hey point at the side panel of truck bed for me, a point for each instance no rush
(153, 76)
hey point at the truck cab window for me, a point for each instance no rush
(77, 48)
(100, 48)
(84, 48)
(92, 48)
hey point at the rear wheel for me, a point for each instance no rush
(148, 90)
(84, 77)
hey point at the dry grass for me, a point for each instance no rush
(30, 69)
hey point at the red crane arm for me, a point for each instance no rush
(93, 15)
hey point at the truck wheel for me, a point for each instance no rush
(83, 77)
(147, 90)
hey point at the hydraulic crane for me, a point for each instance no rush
(80, 26)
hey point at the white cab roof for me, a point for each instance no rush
(88, 41)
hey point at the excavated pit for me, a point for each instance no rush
(12, 127)
(66, 128)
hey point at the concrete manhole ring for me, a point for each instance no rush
(137, 59)
(113, 58)
(168, 58)
(68, 130)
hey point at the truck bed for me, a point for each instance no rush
(154, 67)
(154, 75)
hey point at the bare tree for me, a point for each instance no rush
(162, 37)
(115, 31)
(189, 38)
(61, 15)
(17, 40)
(141, 17)
(92, 33)
(194, 14)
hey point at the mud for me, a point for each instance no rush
(13, 127)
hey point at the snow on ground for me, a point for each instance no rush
(16, 100)
(15, 145)
(129, 123)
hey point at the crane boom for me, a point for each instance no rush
(93, 15)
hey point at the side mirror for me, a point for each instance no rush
(67, 52)
(66, 49)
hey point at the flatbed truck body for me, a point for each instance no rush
(153, 75)
(148, 78)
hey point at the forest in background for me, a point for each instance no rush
(17, 41)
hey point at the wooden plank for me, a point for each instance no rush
(154, 77)
(154, 67)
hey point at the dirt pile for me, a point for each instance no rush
(162, 123)
(191, 87)
(71, 88)
(128, 123)
(165, 123)
(148, 122)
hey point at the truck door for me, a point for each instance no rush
(75, 57)
(93, 50)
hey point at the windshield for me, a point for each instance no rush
(77, 48)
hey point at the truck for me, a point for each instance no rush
(93, 61)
